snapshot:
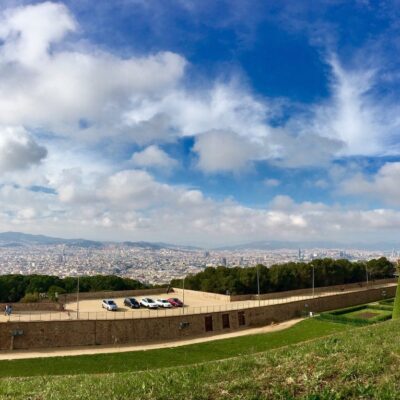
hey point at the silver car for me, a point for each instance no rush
(109, 305)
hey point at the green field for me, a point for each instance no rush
(364, 314)
(360, 363)
(162, 358)
(371, 314)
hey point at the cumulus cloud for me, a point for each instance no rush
(18, 149)
(153, 157)
(222, 151)
(44, 82)
(382, 186)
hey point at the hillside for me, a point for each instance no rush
(343, 366)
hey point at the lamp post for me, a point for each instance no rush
(183, 295)
(313, 280)
(366, 272)
(77, 300)
(258, 284)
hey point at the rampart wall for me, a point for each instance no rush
(308, 291)
(47, 334)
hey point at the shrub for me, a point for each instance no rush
(30, 298)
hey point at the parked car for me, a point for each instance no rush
(174, 301)
(109, 305)
(131, 302)
(163, 303)
(149, 303)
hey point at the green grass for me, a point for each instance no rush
(360, 314)
(356, 315)
(355, 364)
(184, 355)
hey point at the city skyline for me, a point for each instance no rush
(200, 123)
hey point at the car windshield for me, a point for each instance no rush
(177, 300)
(149, 300)
(110, 302)
(132, 300)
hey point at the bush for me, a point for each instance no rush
(30, 298)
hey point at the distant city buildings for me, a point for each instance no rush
(154, 266)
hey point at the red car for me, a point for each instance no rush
(175, 302)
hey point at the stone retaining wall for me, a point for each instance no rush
(47, 334)
(308, 291)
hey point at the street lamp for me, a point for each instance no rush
(313, 280)
(183, 295)
(366, 272)
(258, 284)
(77, 300)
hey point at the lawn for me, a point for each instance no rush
(170, 357)
(345, 365)
(371, 314)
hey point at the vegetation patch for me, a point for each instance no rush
(359, 315)
(286, 276)
(341, 366)
(170, 357)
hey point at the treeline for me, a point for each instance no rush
(287, 276)
(15, 288)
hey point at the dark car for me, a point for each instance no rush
(131, 302)
(175, 302)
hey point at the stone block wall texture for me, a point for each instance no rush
(48, 334)
(308, 291)
(204, 295)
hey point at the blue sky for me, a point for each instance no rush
(200, 122)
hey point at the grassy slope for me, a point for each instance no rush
(361, 363)
(150, 359)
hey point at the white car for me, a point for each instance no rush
(109, 305)
(149, 303)
(163, 303)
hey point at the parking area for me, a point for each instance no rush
(192, 301)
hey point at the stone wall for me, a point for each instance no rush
(308, 291)
(204, 295)
(47, 334)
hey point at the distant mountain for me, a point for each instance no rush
(14, 239)
(17, 239)
(276, 245)
(158, 246)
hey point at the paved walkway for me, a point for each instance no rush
(74, 351)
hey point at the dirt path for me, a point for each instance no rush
(75, 351)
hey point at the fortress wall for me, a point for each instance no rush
(308, 291)
(204, 295)
(48, 334)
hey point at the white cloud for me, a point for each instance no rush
(18, 150)
(271, 182)
(364, 121)
(383, 185)
(47, 82)
(223, 151)
(153, 157)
